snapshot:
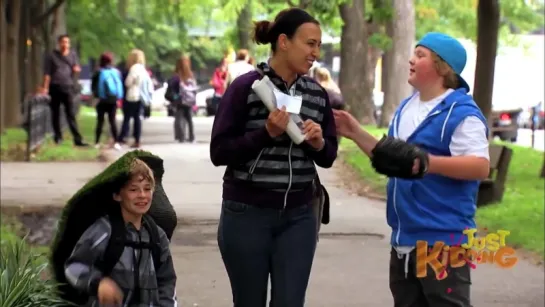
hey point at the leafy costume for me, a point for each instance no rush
(95, 199)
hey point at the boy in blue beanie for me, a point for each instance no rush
(444, 122)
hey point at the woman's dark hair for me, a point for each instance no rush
(286, 22)
(106, 59)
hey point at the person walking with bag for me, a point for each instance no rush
(182, 95)
(109, 89)
(133, 102)
(218, 83)
(268, 226)
(59, 69)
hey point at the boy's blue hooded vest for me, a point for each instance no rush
(434, 208)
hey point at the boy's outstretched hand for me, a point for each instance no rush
(346, 124)
(109, 293)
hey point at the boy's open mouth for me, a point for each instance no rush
(141, 204)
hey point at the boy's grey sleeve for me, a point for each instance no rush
(80, 269)
(166, 275)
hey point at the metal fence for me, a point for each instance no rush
(37, 122)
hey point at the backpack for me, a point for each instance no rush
(188, 93)
(116, 245)
(118, 242)
(172, 93)
(93, 201)
(110, 87)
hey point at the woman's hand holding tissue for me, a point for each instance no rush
(277, 122)
(313, 132)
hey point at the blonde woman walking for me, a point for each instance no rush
(323, 77)
(137, 77)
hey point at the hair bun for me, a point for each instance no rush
(261, 32)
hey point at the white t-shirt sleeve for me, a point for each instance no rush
(470, 139)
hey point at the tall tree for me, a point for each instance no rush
(12, 114)
(244, 25)
(401, 29)
(19, 36)
(488, 20)
(354, 64)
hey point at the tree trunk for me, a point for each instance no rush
(357, 92)
(36, 51)
(244, 25)
(3, 63)
(12, 110)
(488, 21)
(122, 6)
(24, 76)
(402, 29)
(384, 71)
(373, 55)
(58, 25)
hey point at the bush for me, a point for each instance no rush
(23, 281)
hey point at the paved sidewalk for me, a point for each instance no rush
(43, 184)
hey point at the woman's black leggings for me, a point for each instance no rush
(105, 107)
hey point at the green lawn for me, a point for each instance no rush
(522, 208)
(14, 144)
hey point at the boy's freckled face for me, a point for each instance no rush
(422, 69)
(136, 196)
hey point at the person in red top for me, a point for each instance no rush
(218, 82)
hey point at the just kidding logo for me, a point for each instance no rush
(490, 249)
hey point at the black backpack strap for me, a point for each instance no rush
(116, 243)
(155, 240)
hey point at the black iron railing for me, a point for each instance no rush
(37, 114)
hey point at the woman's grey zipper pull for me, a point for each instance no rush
(252, 168)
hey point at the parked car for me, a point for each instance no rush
(158, 101)
(85, 96)
(204, 101)
(505, 124)
(526, 120)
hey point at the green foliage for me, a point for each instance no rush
(22, 275)
(459, 18)
(158, 27)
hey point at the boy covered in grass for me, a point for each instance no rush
(139, 277)
(435, 155)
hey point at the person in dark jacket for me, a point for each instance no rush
(267, 225)
(60, 66)
(109, 88)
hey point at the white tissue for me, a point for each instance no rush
(264, 90)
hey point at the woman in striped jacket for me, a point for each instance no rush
(267, 225)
